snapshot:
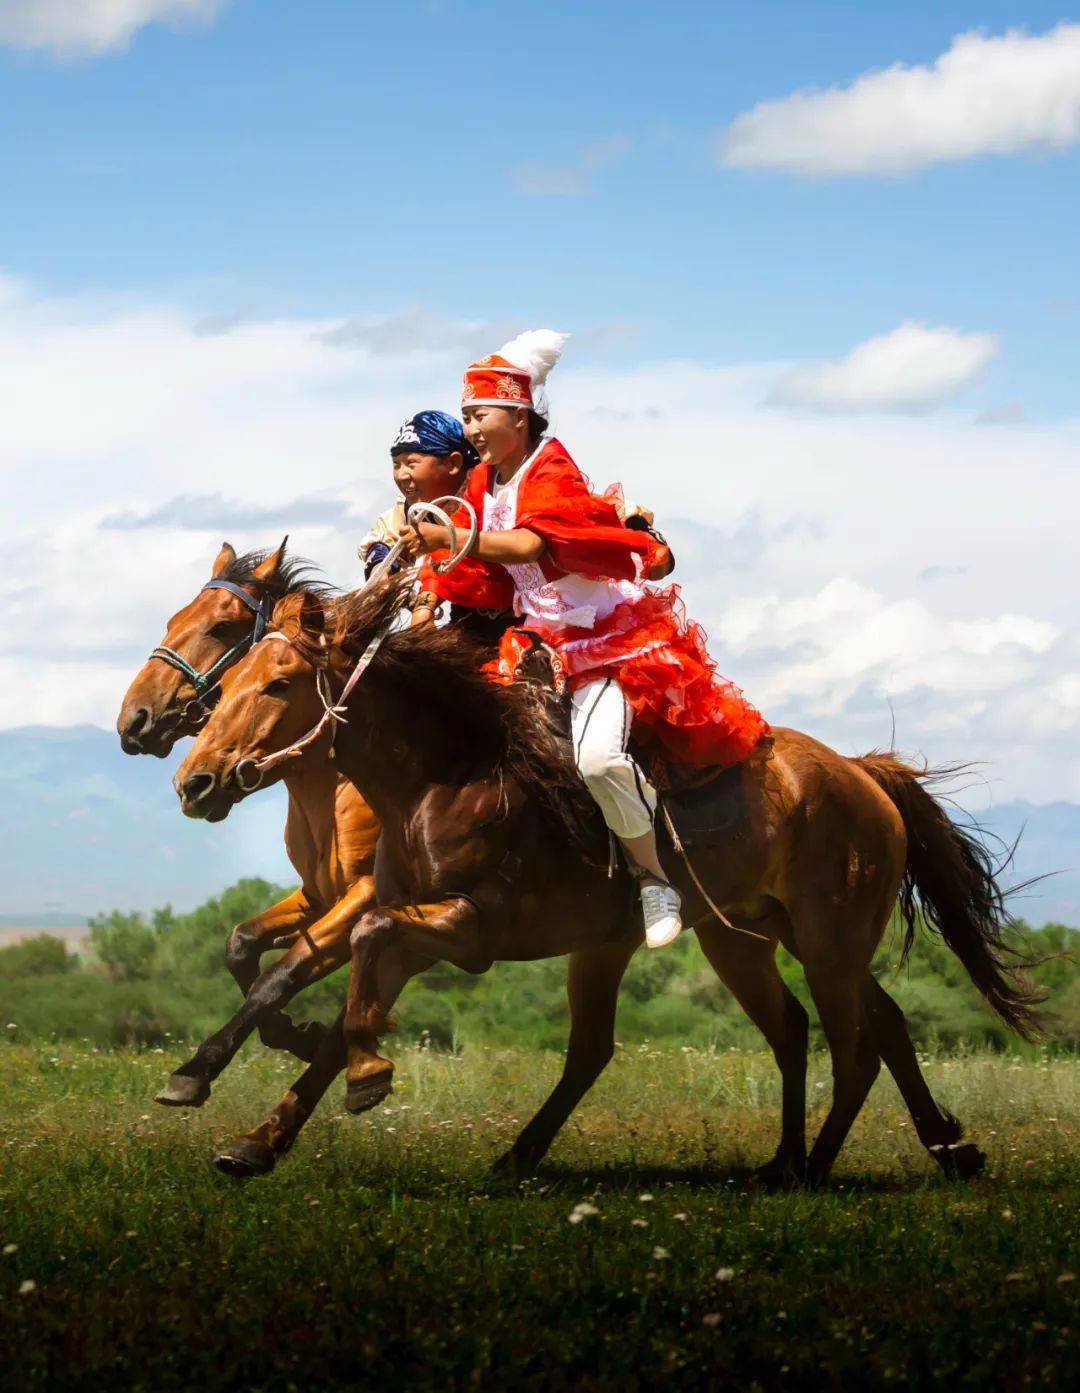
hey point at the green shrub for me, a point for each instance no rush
(35, 957)
(156, 978)
(124, 944)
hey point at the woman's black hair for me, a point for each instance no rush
(537, 427)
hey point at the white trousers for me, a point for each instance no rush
(600, 726)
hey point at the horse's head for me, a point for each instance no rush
(174, 690)
(269, 700)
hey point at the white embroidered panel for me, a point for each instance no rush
(571, 601)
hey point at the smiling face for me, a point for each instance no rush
(268, 701)
(499, 435)
(423, 478)
(161, 706)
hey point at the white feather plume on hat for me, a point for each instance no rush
(536, 350)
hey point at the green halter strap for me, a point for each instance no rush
(206, 683)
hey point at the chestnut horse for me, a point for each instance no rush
(330, 833)
(491, 850)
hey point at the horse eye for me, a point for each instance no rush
(276, 687)
(223, 628)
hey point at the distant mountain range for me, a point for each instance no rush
(85, 828)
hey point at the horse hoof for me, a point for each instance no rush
(368, 1092)
(183, 1091)
(781, 1173)
(962, 1162)
(511, 1168)
(245, 1158)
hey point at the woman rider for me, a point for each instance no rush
(563, 559)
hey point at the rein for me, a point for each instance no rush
(333, 715)
(334, 711)
(207, 682)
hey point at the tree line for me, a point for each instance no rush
(152, 979)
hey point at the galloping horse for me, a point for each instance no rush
(491, 850)
(330, 833)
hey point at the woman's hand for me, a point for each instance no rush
(429, 536)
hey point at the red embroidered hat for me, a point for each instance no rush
(516, 374)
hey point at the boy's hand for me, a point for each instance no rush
(628, 510)
(429, 536)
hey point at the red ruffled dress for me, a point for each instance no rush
(587, 598)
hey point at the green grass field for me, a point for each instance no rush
(379, 1256)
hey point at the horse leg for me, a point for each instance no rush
(592, 987)
(258, 1151)
(937, 1129)
(747, 967)
(449, 931)
(318, 952)
(839, 992)
(276, 927)
(329, 936)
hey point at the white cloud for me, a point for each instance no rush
(128, 413)
(911, 368)
(826, 648)
(78, 28)
(985, 95)
(577, 176)
(417, 329)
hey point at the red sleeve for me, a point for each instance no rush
(478, 584)
(582, 530)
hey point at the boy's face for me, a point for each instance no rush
(422, 478)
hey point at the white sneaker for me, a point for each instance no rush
(660, 905)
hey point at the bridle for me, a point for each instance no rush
(334, 711)
(206, 683)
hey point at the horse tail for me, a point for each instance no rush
(952, 878)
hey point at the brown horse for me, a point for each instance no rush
(330, 833)
(490, 851)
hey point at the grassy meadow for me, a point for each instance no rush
(379, 1254)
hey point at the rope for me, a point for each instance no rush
(676, 842)
(334, 711)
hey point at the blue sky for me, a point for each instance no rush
(833, 339)
(348, 158)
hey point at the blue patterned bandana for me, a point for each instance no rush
(433, 433)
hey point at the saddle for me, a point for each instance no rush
(704, 806)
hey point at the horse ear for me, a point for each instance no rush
(267, 570)
(300, 615)
(225, 557)
(312, 615)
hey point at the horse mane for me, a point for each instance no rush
(294, 574)
(505, 725)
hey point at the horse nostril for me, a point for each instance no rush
(139, 724)
(196, 786)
